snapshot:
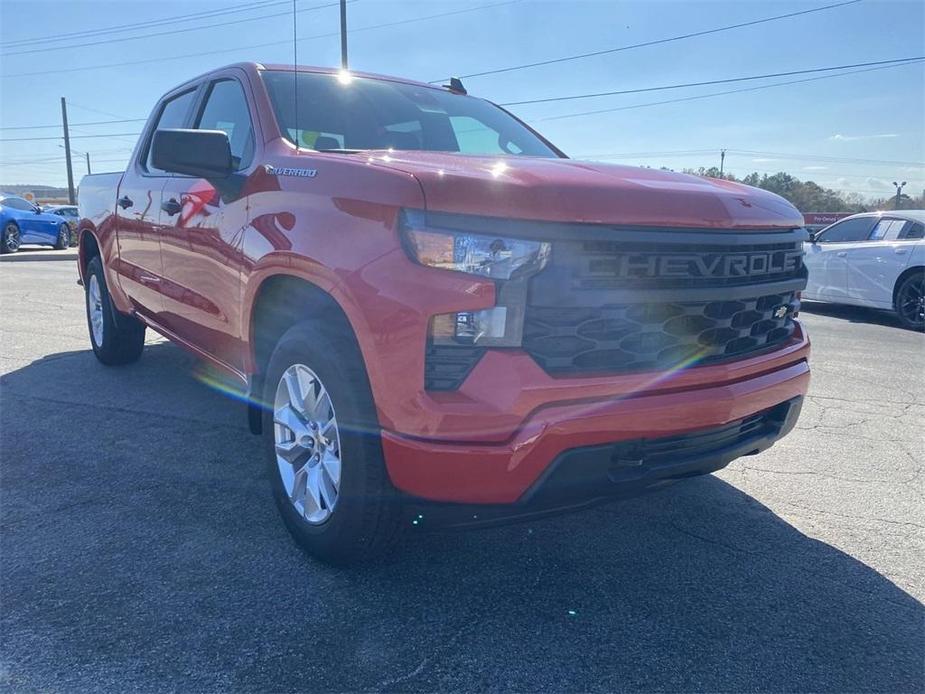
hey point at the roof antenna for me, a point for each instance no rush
(295, 76)
(456, 86)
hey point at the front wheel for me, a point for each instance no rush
(11, 238)
(116, 338)
(910, 301)
(323, 448)
(64, 237)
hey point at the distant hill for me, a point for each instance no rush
(39, 190)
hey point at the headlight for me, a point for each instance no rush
(510, 261)
(497, 257)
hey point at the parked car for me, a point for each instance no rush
(69, 213)
(874, 259)
(433, 314)
(24, 222)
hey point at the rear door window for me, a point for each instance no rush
(887, 230)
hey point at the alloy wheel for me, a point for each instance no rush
(911, 302)
(95, 306)
(307, 443)
(11, 237)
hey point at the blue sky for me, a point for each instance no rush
(834, 131)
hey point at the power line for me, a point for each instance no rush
(170, 32)
(779, 155)
(73, 137)
(710, 95)
(120, 28)
(656, 42)
(709, 82)
(828, 158)
(73, 125)
(96, 110)
(160, 59)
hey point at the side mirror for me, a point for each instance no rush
(200, 153)
(812, 237)
(38, 209)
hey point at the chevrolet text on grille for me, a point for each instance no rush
(697, 265)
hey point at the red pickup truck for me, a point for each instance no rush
(436, 316)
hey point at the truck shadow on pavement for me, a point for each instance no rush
(141, 549)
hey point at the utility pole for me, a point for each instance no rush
(722, 161)
(71, 198)
(899, 192)
(343, 34)
(88, 162)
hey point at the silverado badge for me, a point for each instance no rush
(288, 171)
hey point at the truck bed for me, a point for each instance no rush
(96, 196)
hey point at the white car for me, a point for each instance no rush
(874, 259)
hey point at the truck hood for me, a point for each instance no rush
(565, 190)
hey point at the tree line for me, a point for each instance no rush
(809, 196)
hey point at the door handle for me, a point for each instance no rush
(842, 254)
(171, 207)
(125, 202)
(900, 251)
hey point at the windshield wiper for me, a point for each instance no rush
(342, 151)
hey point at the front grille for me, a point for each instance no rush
(630, 337)
(629, 466)
(656, 301)
(630, 458)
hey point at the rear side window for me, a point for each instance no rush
(915, 230)
(887, 230)
(226, 110)
(848, 230)
(173, 115)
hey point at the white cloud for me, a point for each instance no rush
(815, 168)
(878, 184)
(838, 137)
(762, 160)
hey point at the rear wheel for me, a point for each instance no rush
(323, 448)
(11, 238)
(910, 301)
(116, 338)
(64, 237)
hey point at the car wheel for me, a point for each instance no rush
(910, 301)
(116, 338)
(11, 238)
(323, 448)
(64, 237)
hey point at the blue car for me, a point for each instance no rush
(23, 222)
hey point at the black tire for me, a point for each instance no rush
(64, 237)
(123, 336)
(910, 301)
(11, 238)
(364, 522)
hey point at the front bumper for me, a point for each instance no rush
(509, 472)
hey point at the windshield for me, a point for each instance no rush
(378, 114)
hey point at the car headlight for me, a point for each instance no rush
(510, 261)
(497, 257)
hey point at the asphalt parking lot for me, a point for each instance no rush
(141, 549)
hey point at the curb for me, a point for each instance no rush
(26, 257)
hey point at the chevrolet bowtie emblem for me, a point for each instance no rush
(781, 311)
